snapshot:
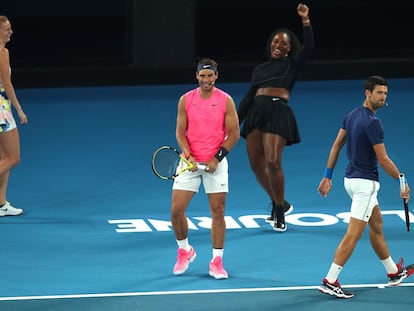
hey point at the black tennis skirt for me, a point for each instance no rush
(272, 115)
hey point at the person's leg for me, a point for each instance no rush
(376, 235)
(218, 231)
(273, 146)
(6, 209)
(216, 186)
(179, 203)
(363, 195)
(349, 241)
(273, 152)
(255, 152)
(218, 225)
(259, 157)
(4, 180)
(10, 157)
(330, 284)
(186, 254)
(10, 148)
(378, 242)
(396, 272)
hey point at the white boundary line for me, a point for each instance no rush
(182, 292)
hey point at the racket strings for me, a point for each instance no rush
(165, 163)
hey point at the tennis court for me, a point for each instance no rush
(96, 235)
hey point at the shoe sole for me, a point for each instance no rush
(410, 270)
(399, 281)
(327, 291)
(4, 215)
(280, 229)
(7, 213)
(218, 276)
(183, 271)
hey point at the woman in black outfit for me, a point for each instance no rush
(269, 122)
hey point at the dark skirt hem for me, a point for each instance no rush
(272, 115)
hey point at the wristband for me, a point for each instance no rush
(221, 153)
(328, 173)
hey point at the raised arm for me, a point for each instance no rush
(308, 36)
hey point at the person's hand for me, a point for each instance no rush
(303, 11)
(193, 163)
(405, 194)
(22, 117)
(211, 166)
(325, 186)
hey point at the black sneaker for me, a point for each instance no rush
(334, 289)
(395, 279)
(279, 218)
(279, 227)
(288, 209)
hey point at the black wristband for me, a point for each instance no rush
(221, 153)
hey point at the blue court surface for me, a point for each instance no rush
(96, 234)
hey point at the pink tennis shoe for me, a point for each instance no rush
(216, 269)
(184, 259)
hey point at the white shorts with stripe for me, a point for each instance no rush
(363, 193)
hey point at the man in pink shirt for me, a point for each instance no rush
(207, 129)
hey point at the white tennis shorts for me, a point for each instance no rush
(363, 193)
(216, 182)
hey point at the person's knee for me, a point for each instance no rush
(355, 230)
(11, 160)
(376, 227)
(376, 221)
(16, 161)
(257, 167)
(274, 165)
(217, 210)
(177, 210)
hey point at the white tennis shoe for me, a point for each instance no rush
(9, 210)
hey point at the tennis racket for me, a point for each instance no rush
(406, 210)
(167, 163)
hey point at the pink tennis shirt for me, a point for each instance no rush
(206, 128)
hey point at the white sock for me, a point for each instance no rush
(184, 244)
(217, 252)
(333, 273)
(389, 265)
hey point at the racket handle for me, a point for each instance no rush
(201, 166)
(402, 182)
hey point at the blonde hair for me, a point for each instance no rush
(3, 19)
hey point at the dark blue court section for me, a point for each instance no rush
(95, 234)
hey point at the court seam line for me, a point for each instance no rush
(182, 292)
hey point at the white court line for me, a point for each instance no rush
(182, 292)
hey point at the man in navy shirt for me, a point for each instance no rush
(363, 133)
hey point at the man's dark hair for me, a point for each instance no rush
(373, 81)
